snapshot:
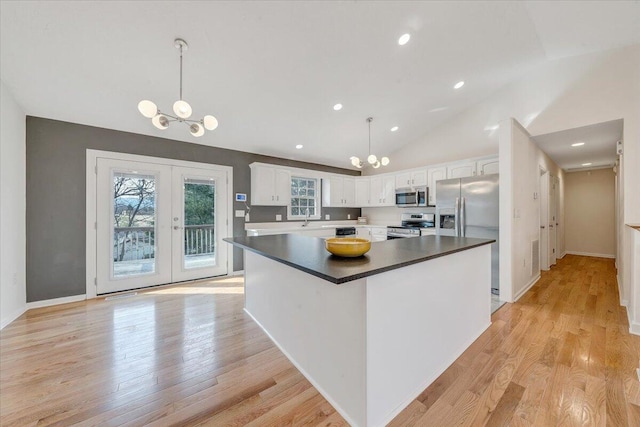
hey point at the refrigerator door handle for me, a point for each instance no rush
(463, 219)
(457, 218)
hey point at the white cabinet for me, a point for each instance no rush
(487, 166)
(461, 169)
(434, 175)
(383, 190)
(411, 179)
(338, 191)
(375, 234)
(363, 191)
(378, 234)
(270, 186)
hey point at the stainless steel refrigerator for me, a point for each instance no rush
(468, 207)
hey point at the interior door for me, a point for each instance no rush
(133, 225)
(552, 220)
(199, 221)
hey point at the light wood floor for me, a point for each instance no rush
(188, 355)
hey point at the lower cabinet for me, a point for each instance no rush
(375, 234)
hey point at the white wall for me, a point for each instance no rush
(13, 295)
(590, 213)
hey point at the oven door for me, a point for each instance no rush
(407, 198)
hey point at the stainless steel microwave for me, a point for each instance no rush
(406, 199)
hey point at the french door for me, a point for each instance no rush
(158, 224)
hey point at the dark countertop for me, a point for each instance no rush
(309, 254)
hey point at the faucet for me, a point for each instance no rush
(306, 217)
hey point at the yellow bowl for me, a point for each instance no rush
(348, 246)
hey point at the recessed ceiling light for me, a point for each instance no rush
(459, 85)
(404, 39)
(395, 128)
(299, 146)
(337, 107)
(577, 144)
(586, 164)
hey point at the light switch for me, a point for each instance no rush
(240, 214)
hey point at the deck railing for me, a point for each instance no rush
(135, 243)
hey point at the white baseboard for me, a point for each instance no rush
(12, 316)
(634, 328)
(562, 255)
(55, 301)
(526, 288)
(590, 254)
(237, 273)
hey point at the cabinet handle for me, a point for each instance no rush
(413, 181)
(272, 198)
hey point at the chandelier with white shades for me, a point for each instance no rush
(371, 159)
(181, 108)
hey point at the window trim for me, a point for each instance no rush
(317, 198)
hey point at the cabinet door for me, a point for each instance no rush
(434, 175)
(263, 185)
(332, 192)
(419, 178)
(378, 234)
(375, 198)
(389, 191)
(403, 180)
(363, 232)
(349, 191)
(282, 187)
(363, 192)
(461, 170)
(487, 167)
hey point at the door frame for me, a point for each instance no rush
(91, 211)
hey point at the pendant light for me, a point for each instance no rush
(372, 159)
(181, 108)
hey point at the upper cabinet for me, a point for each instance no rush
(487, 166)
(461, 169)
(339, 191)
(363, 191)
(411, 179)
(270, 186)
(433, 175)
(383, 190)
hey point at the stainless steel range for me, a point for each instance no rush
(413, 225)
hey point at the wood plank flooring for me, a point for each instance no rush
(189, 355)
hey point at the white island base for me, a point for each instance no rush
(372, 345)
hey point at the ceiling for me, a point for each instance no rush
(599, 148)
(272, 71)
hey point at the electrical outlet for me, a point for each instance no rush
(327, 217)
(239, 213)
(246, 217)
(348, 216)
(278, 217)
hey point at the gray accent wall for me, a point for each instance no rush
(56, 195)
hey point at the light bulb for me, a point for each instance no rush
(372, 159)
(147, 108)
(160, 121)
(210, 122)
(196, 129)
(182, 109)
(376, 165)
(355, 161)
(384, 161)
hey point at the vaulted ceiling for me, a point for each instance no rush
(271, 72)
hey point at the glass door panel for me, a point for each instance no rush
(199, 219)
(199, 223)
(133, 225)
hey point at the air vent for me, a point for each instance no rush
(535, 257)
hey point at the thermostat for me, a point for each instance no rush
(241, 197)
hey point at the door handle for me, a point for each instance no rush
(542, 227)
(550, 225)
(456, 220)
(463, 220)
(176, 227)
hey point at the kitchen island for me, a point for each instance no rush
(370, 333)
